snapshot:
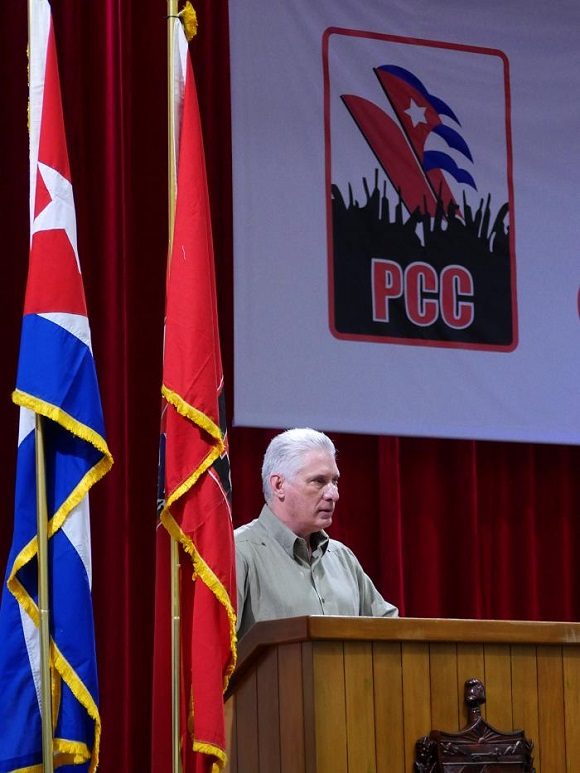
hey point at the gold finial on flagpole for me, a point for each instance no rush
(188, 18)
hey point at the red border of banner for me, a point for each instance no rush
(327, 159)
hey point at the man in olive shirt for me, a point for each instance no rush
(286, 564)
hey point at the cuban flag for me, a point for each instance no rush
(402, 146)
(56, 380)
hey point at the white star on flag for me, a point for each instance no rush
(416, 113)
(60, 212)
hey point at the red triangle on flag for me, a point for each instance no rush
(54, 281)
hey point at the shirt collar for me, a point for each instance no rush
(286, 537)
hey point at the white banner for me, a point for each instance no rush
(405, 217)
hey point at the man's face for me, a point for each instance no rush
(306, 501)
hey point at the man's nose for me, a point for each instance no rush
(331, 491)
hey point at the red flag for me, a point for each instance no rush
(196, 510)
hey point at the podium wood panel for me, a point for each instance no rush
(498, 685)
(246, 724)
(269, 707)
(345, 695)
(388, 678)
(360, 709)
(291, 708)
(551, 705)
(328, 702)
(525, 693)
(416, 709)
(572, 708)
(443, 666)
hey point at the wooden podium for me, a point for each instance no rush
(353, 695)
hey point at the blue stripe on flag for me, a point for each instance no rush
(57, 367)
(19, 710)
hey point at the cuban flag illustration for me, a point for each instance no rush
(56, 380)
(400, 147)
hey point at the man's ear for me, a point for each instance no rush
(277, 485)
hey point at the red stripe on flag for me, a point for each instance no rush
(52, 149)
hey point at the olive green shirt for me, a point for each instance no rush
(277, 579)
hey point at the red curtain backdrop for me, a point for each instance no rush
(446, 528)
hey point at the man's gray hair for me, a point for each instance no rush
(287, 450)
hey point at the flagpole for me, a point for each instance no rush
(43, 597)
(174, 556)
(42, 538)
(171, 150)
